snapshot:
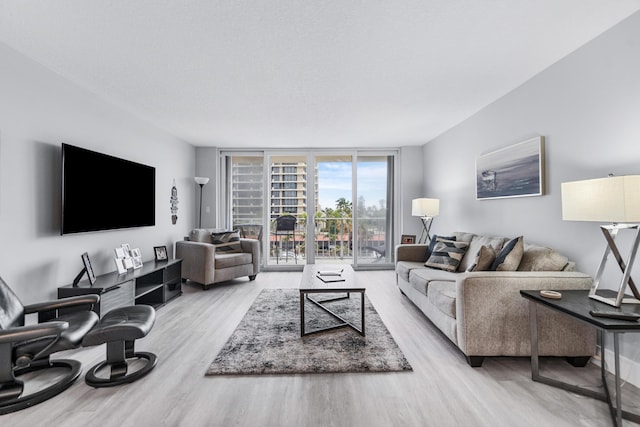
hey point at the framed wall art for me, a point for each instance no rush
(408, 239)
(513, 171)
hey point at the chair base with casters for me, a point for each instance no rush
(27, 349)
(119, 329)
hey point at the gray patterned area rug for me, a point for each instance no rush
(267, 340)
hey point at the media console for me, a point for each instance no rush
(155, 283)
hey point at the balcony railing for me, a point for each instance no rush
(333, 241)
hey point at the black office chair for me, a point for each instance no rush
(286, 225)
(25, 349)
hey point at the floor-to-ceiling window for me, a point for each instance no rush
(314, 206)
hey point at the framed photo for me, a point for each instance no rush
(120, 265)
(127, 250)
(161, 253)
(119, 252)
(514, 171)
(137, 262)
(136, 253)
(408, 239)
(128, 262)
(87, 265)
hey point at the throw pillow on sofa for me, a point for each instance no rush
(226, 242)
(510, 256)
(434, 240)
(484, 258)
(446, 254)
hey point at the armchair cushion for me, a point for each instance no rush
(232, 259)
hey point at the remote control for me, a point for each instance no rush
(622, 315)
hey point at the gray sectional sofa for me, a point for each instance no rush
(482, 312)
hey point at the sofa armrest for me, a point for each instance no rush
(415, 252)
(493, 318)
(252, 246)
(198, 261)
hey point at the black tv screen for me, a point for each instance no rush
(102, 192)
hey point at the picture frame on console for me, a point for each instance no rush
(161, 253)
(408, 239)
(120, 265)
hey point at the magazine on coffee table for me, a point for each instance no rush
(326, 273)
(330, 279)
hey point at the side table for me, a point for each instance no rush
(577, 304)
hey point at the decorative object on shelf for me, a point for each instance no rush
(615, 200)
(426, 209)
(137, 262)
(127, 250)
(201, 181)
(408, 239)
(514, 171)
(161, 253)
(120, 265)
(86, 269)
(174, 203)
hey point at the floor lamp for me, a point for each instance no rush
(426, 209)
(201, 181)
(614, 200)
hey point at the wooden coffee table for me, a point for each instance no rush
(312, 284)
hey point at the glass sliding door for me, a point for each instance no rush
(245, 194)
(316, 206)
(374, 213)
(288, 191)
(333, 232)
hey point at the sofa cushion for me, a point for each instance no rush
(461, 236)
(226, 242)
(510, 256)
(232, 260)
(540, 258)
(419, 278)
(446, 254)
(474, 246)
(403, 268)
(484, 258)
(443, 296)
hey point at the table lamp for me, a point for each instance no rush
(426, 209)
(614, 200)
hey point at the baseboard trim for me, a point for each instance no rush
(629, 369)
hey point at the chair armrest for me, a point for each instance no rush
(252, 246)
(198, 261)
(62, 303)
(32, 332)
(412, 252)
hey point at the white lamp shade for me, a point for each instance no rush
(614, 199)
(425, 207)
(202, 180)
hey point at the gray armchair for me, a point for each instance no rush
(201, 263)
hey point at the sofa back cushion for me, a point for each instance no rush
(446, 255)
(475, 244)
(540, 258)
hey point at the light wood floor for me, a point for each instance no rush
(442, 390)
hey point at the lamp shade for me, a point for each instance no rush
(425, 207)
(613, 199)
(202, 180)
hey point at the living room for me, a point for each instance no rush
(582, 102)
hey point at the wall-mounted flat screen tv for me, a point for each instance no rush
(102, 192)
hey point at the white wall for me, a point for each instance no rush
(410, 175)
(38, 111)
(587, 106)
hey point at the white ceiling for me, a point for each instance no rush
(303, 73)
